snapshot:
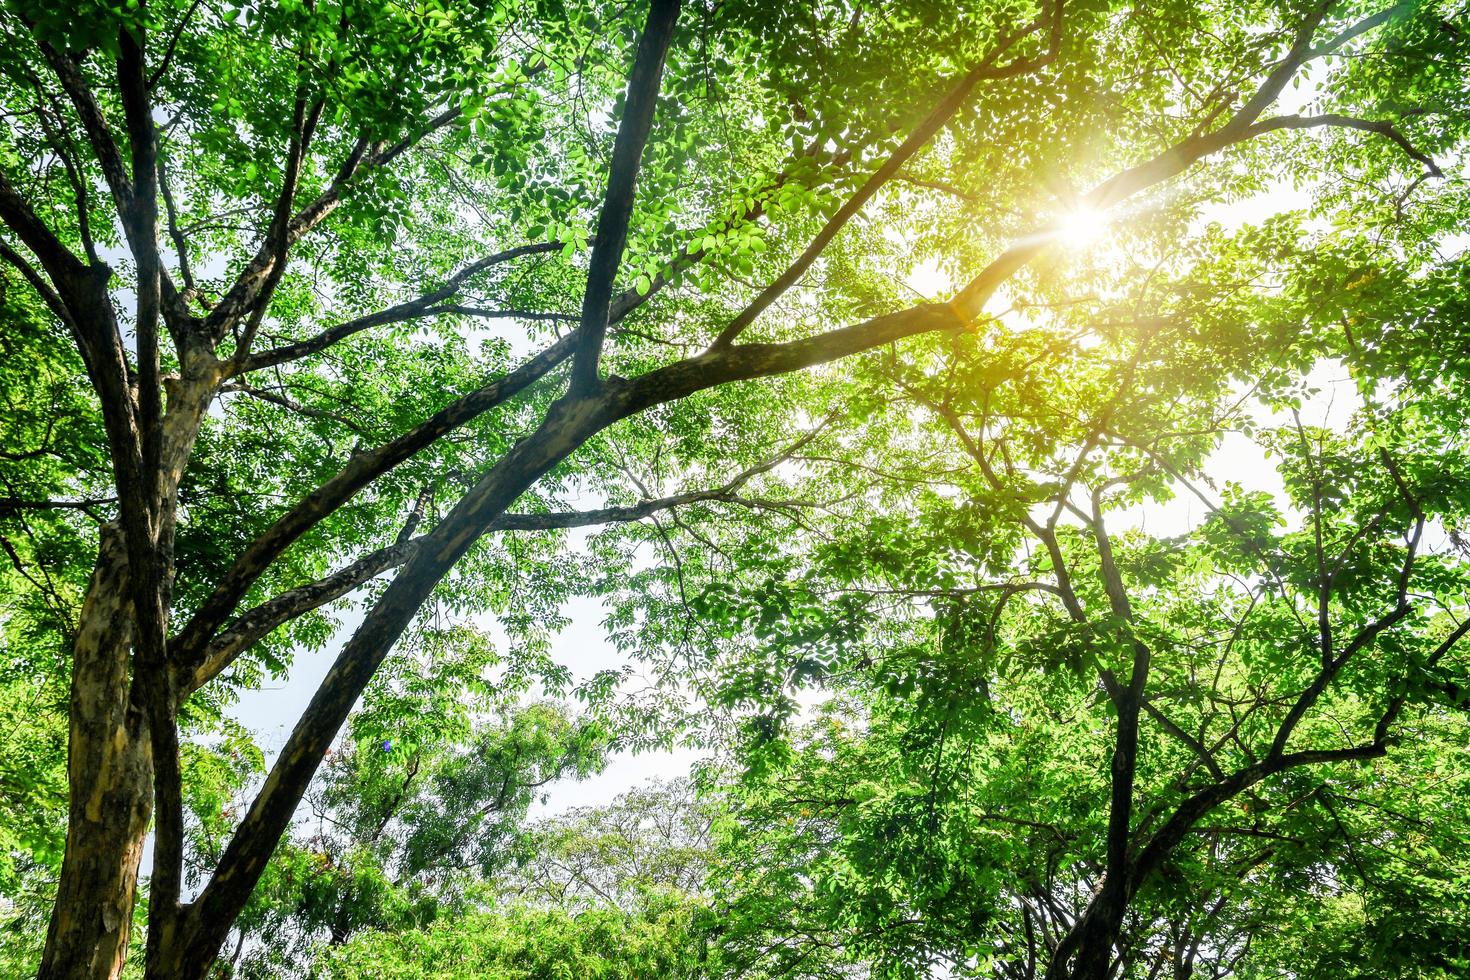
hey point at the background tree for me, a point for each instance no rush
(238, 214)
(525, 942)
(415, 814)
(614, 889)
(653, 841)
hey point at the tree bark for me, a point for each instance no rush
(110, 774)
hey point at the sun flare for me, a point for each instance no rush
(1082, 227)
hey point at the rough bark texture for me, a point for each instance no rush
(110, 773)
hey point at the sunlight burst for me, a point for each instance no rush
(1081, 227)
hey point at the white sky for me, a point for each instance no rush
(272, 710)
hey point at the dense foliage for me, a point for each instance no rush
(1022, 444)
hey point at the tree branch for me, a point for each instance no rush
(303, 127)
(173, 43)
(359, 162)
(970, 303)
(94, 124)
(1364, 637)
(689, 255)
(360, 470)
(1191, 810)
(617, 206)
(1385, 129)
(1396, 704)
(38, 282)
(15, 503)
(938, 117)
(411, 309)
(291, 405)
(268, 616)
(60, 263)
(1193, 744)
(174, 233)
(138, 229)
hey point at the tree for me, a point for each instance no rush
(526, 942)
(1078, 749)
(327, 175)
(363, 888)
(609, 891)
(651, 842)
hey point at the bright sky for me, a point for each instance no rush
(271, 711)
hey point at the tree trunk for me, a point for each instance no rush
(110, 773)
(1087, 952)
(172, 954)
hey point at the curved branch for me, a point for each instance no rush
(1194, 745)
(1364, 637)
(104, 145)
(424, 305)
(1338, 120)
(937, 118)
(64, 267)
(1182, 821)
(359, 162)
(38, 282)
(970, 303)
